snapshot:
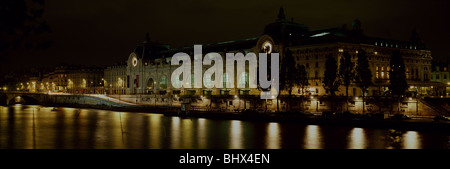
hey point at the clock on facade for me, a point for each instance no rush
(267, 47)
(134, 61)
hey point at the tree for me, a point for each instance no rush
(397, 75)
(289, 76)
(346, 72)
(22, 26)
(363, 74)
(331, 82)
(303, 80)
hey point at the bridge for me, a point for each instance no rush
(7, 98)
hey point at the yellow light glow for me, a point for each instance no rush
(341, 50)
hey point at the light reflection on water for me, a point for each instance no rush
(273, 136)
(357, 139)
(29, 127)
(235, 134)
(411, 140)
(313, 137)
(202, 133)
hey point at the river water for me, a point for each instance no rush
(37, 127)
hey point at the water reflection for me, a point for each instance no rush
(235, 134)
(155, 130)
(273, 136)
(202, 133)
(411, 140)
(36, 127)
(313, 138)
(187, 133)
(357, 139)
(175, 133)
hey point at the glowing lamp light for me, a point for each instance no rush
(410, 98)
(356, 98)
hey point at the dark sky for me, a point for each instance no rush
(103, 32)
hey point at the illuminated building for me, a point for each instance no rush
(440, 74)
(148, 68)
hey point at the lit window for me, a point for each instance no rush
(226, 80)
(243, 79)
(207, 80)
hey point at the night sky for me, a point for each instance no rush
(104, 32)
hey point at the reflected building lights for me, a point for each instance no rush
(236, 134)
(273, 136)
(186, 133)
(357, 139)
(201, 138)
(155, 131)
(175, 133)
(411, 140)
(313, 139)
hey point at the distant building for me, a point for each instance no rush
(114, 79)
(72, 79)
(440, 73)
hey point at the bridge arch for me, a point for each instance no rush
(23, 99)
(17, 97)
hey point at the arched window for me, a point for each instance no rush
(243, 79)
(226, 80)
(208, 80)
(163, 83)
(150, 84)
